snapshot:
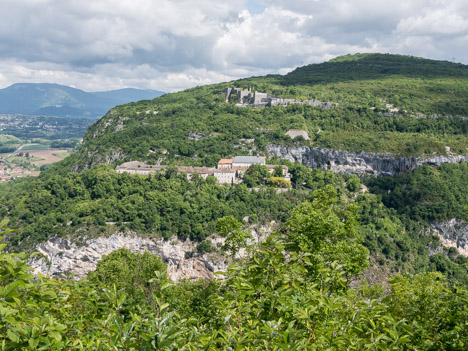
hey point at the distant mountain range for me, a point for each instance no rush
(62, 101)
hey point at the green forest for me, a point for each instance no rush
(350, 264)
(288, 294)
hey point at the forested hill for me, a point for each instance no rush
(312, 282)
(386, 104)
(412, 84)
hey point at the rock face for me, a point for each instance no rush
(453, 233)
(358, 163)
(61, 256)
(94, 157)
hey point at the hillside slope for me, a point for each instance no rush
(386, 104)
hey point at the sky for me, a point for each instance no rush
(170, 45)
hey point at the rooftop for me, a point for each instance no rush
(225, 161)
(247, 159)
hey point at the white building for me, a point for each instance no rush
(226, 176)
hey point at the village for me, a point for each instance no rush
(228, 171)
(7, 172)
(28, 127)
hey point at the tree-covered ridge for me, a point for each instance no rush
(100, 202)
(427, 193)
(397, 112)
(371, 66)
(411, 84)
(278, 298)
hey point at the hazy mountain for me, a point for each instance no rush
(59, 100)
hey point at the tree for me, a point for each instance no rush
(256, 175)
(279, 182)
(328, 232)
(129, 271)
(235, 238)
(278, 171)
(353, 183)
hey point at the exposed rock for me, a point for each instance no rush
(359, 163)
(109, 125)
(453, 233)
(94, 157)
(62, 257)
(197, 136)
(294, 133)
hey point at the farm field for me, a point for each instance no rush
(46, 157)
(29, 162)
(34, 147)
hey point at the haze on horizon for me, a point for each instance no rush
(166, 45)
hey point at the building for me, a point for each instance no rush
(226, 176)
(241, 162)
(284, 169)
(136, 167)
(245, 97)
(225, 163)
(202, 172)
(229, 170)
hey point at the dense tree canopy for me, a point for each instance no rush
(269, 301)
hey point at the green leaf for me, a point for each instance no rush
(13, 336)
(33, 343)
(404, 339)
(55, 335)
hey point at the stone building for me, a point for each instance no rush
(225, 163)
(229, 170)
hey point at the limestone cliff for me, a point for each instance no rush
(359, 163)
(453, 233)
(63, 257)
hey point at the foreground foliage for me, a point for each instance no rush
(274, 300)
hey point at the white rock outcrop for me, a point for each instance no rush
(453, 233)
(61, 256)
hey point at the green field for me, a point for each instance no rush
(63, 155)
(33, 147)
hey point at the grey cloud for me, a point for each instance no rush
(174, 44)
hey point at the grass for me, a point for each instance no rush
(62, 155)
(9, 139)
(33, 147)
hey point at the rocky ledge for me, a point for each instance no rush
(358, 163)
(62, 257)
(453, 233)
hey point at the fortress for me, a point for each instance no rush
(245, 97)
(228, 171)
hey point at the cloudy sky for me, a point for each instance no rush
(170, 45)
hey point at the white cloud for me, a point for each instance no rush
(175, 44)
(438, 22)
